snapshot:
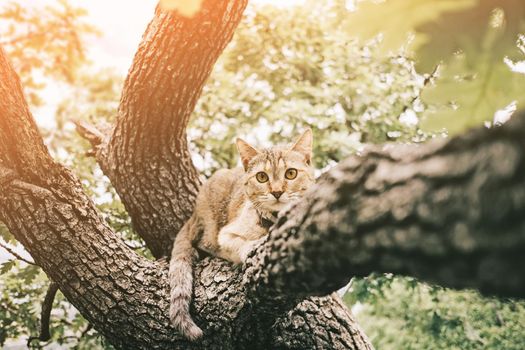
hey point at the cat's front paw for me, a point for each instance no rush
(245, 252)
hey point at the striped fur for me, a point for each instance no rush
(228, 216)
(181, 281)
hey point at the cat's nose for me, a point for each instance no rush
(277, 194)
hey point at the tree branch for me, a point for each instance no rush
(448, 212)
(97, 138)
(45, 314)
(6, 176)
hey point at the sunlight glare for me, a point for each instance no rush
(282, 3)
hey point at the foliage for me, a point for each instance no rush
(19, 313)
(44, 42)
(293, 67)
(470, 38)
(400, 313)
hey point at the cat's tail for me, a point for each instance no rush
(181, 281)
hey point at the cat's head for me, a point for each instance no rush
(278, 175)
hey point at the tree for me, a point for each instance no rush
(273, 302)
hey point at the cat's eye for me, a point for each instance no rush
(261, 176)
(290, 174)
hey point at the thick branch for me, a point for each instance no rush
(154, 175)
(22, 150)
(448, 212)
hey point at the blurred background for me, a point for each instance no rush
(358, 72)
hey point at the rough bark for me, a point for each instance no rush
(448, 212)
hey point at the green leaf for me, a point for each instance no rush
(396, 19)
(7, 266)
(5, 234)
(490, 26)
(468, 95)
(29, 273)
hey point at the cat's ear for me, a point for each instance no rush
(304, 144)
(246, 152)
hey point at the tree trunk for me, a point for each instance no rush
(427, 211)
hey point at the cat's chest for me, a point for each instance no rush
(249, 223)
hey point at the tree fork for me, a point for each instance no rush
(123, 295)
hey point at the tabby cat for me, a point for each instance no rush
(233, 212)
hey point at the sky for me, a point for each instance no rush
(122, 33)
